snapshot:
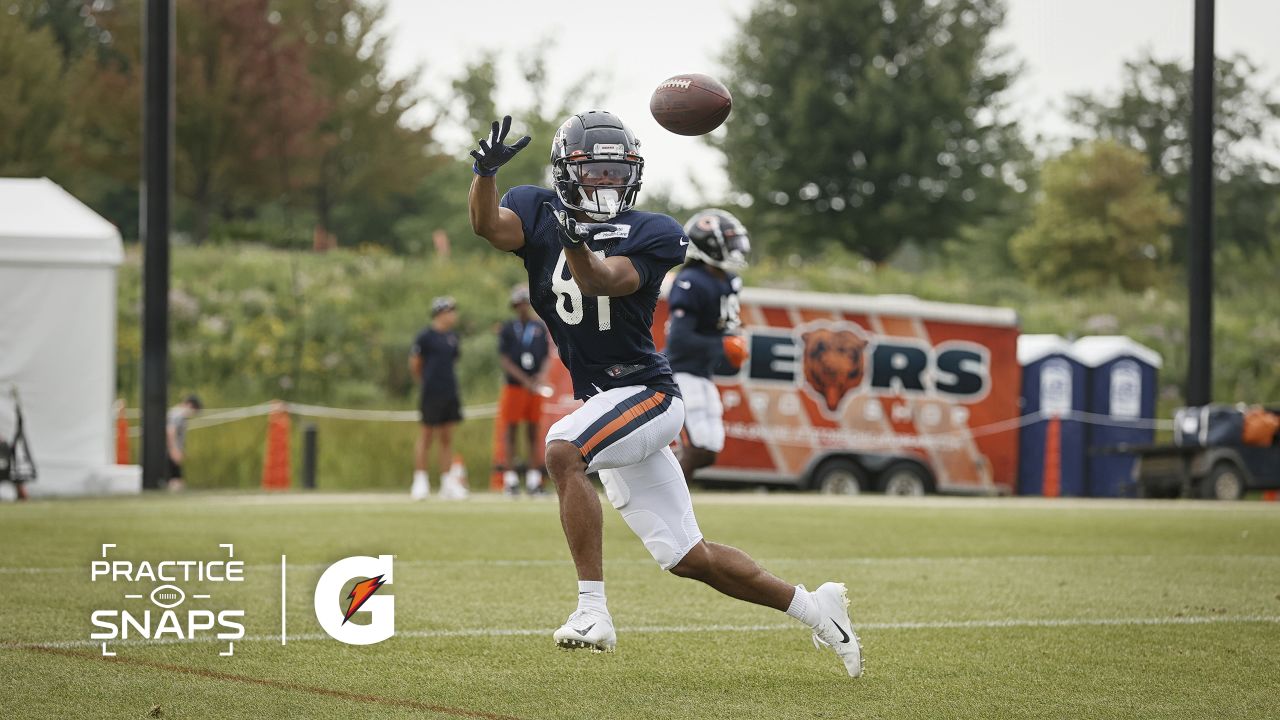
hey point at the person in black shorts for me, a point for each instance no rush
(432, 361)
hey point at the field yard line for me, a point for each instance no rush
(683, 629)
(920, 559)
(395, 502)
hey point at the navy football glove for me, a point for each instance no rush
(573, 233)
(494, 153)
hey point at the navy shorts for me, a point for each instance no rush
(440, 409)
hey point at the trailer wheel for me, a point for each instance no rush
(838, 477)
(1224, 482)
(905, 479)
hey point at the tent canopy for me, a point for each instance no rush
(58, 264)
(42, 224)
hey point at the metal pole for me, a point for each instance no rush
(309, 457)
(1200, 255)
(157, 176)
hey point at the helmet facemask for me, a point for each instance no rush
(601, 188)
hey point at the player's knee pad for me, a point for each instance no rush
(657, 537)
(615, 488)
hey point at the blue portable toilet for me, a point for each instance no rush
(1053, 387)
(1122, 392)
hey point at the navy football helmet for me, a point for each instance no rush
(596, 165)
(717, 238)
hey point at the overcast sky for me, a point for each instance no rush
(1067, 46)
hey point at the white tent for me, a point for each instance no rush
(58, 263)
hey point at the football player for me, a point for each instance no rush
(595, 268)
(703, 304)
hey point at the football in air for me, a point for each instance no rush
(692, 104)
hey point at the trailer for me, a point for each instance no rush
(851, 393)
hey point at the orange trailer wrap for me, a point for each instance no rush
(882, 381)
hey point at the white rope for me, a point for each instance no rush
(222, 416)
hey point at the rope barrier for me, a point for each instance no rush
(221, 416)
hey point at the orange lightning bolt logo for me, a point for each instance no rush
(360, 593)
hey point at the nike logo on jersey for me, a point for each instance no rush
(685, 284)
(583, 631)
(843, 634)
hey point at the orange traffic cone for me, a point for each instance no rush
(122, 434)
(499, 451)
(275, 468)
(1053, 458)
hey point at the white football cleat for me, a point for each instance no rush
(587, 629)
(835, 629)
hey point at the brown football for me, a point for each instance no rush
(692, 104)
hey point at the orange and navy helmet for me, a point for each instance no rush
(717, 238)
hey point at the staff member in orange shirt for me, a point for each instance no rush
(523, 346)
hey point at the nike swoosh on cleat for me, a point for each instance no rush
(583, 632)
(843, 634)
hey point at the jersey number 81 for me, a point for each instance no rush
(566, 289)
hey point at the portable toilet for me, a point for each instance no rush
(1121, 397)
(1051, 453)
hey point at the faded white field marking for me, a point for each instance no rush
(684, 629)
(396, 502)
(922, 559)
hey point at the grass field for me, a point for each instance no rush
(967, 608)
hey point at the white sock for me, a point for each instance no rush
(533, 479)
(510, 479)
(419, 477)
(591, 595)
(802, 608)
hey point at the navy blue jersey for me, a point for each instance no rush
(439, 352)
(525, 343)
(604, 342)
(703, 307)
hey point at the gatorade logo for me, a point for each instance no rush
(335, 609)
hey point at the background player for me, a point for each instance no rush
(703, 304)
(432, 360)
(596, 285)
(522, 351)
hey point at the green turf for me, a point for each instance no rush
(1164, 610)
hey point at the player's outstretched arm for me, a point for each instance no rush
(499, 225)
(596, 276)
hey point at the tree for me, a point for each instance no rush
(1102, 221)
(869, 123)
(442, 193)
(367, 155)
(1152, 113)
(73, 23)
(246, 108)
(32, 99)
